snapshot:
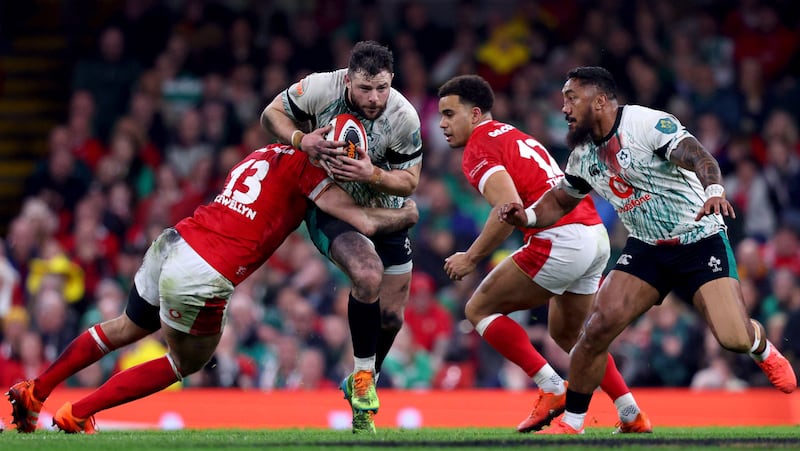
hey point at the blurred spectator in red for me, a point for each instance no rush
(124, 163)
(148, 140)
(86, 146)
(25, 362)
(751, 265)
(783, 249)
(92, 245)
(15, 325)
(310, 372)
(430, 324)
(758, 32)
(158, 207)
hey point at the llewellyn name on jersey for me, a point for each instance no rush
(238, 207)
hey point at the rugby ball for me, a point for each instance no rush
(349, 129)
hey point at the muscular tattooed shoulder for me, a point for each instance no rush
(690, 154)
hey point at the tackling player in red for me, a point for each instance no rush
(187, 276)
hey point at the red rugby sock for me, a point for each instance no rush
(129, 385)
(613, 383)
(84, 350)
(511, 340)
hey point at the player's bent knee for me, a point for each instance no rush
(565, 339)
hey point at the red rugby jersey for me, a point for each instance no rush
(495, 146)
(262, 203)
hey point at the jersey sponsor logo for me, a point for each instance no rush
(499, 131)
(667, 126)
(594, 170)
(715, 264)
(620, 187)
(624, 259)
(624, 158)
(634, 203)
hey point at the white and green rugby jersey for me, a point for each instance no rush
(655, 199)
(393, 139)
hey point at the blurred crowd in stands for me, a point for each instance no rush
(170, 99)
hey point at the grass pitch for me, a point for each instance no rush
(785, 437)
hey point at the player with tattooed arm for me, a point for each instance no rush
(667, 191)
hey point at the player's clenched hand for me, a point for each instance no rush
(715, 205)
(346, 169)
(318, 148)
(411, 211)
(514, 214)
(458, 265)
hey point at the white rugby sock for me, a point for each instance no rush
(548, 380)
(365, 364)
(575, 420)
(626, 408)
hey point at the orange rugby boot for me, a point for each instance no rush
(779, 371)
(69, 423)
(640, 425)
(547, 407)
(560, 427)
(25, 407)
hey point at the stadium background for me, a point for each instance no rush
(117, 118)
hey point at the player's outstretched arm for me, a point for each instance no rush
(498, 190)
(691, 155)
(551, 207)
(369, 221)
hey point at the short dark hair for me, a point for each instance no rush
(597, 76)
(370, 58)
(471, 89)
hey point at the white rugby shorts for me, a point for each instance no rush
(191, 295)
(570, 258)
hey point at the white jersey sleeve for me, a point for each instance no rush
(304, 100)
